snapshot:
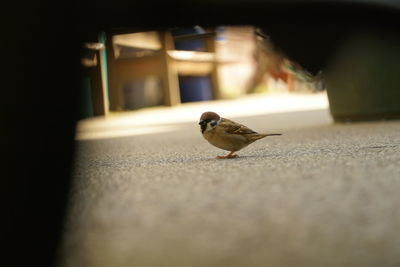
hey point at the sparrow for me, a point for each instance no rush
(227, 134)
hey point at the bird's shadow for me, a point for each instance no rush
(244, 157)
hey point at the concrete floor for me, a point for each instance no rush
(322, 194)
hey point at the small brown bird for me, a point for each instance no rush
(227, 134)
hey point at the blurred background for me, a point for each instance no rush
(127, 71)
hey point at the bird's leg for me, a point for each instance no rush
(231, 155)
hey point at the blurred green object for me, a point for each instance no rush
(363, 80)
(85, 100)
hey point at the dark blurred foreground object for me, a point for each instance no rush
(363, 81)
(40, 45)
(40, 77)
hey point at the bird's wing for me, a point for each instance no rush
(232, 127)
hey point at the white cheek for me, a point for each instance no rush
(209, 127)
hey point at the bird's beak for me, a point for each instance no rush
(202, 122)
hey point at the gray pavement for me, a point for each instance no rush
(322, 194)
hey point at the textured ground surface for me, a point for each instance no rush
(320, 195)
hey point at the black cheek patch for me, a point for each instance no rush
(213, 123)
(203, 127)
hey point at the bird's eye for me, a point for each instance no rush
(213, 123)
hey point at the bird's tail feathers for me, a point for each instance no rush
(259, 136)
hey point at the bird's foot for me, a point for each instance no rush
(231, 155)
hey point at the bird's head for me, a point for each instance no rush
(208, 121)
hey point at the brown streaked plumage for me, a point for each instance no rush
(227, 134)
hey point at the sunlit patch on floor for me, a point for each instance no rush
(110, 133)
